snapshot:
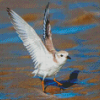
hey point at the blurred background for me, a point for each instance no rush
(75, 28)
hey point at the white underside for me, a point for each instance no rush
(47, 69)
(47, 72)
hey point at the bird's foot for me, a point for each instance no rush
(59, 84)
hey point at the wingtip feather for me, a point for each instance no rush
(46, 20)
(9, 11)
(48, 5)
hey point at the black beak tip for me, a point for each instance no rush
(68, 57)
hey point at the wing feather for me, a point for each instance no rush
(47, 35)
(29, 37)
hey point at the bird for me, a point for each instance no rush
(47, 61)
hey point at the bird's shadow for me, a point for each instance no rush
(65, 83)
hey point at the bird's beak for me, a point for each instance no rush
(68, 57)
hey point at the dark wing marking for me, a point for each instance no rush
(45, 22)
(47, 36)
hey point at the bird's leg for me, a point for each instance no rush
(57, 81)
(43, 85)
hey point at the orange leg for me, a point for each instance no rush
(57, 81)
(43, 85)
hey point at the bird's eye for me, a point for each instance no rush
(61, 55)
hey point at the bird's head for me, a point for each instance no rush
(62, 56)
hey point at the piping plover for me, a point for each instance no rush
(46, 59)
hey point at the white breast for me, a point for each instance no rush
(47, 68)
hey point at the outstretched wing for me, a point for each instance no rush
(29, 37)
(47, 35)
